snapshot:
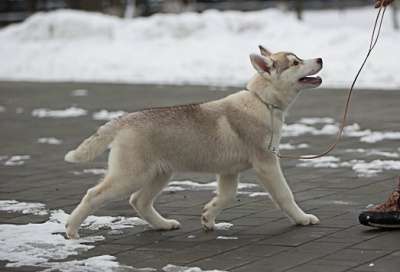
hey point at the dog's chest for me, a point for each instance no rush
(273, 134)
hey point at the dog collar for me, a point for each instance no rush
(272, 107)
(269, 105)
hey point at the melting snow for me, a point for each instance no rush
(93, 171)
(367, 169)
(227, 238)
(341, 202)
(99, 222)
(104, 263)
(256, 194)
(79, 92)
(288, 146)
(223, 226)
(243, 188)
(377, 136)
(16, 160)
(107, 115)
(23, 207)
(36, 244)
(373, 152)
(327, 161)
(305, 127)
(194, 186)
(317, 120)
(175, 268)
(42, 245)
(69, 112)
(49, 140)
(362, 168)
(294, 130)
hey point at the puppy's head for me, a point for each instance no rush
(287, 71)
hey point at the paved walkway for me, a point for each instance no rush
(266, 240)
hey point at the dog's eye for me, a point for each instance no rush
(295, 63)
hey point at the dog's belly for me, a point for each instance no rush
(209, 165)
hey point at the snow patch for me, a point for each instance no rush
(223, 226)
(79, 92)
(104, 263)
(227, 238)
(42, 245)
(305, 127)
(197, 186)
(377, 136)
(37, 244)
(93, 171)
(257, 194)
(69, 112)
(317, 120)
(324, 162)
(175, 268)
(107, 115)
(243, 188)
(102, 222)
(340, 202)
(12, 206)
(16, 160)
(368, 169)
(49, 140)
(288, 146)
(373, 152)
(360, 167)
(2, 109)
(298, 129)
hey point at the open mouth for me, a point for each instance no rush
(311, 80)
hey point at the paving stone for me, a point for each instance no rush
(388, 263)
(266, 239)
(299, 236)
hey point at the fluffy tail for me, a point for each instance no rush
(93, 146)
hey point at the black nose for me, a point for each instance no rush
(319, 61)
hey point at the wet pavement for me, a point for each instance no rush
(261, 238)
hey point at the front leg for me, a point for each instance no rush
(270, 175)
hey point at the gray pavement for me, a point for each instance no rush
(266, 239)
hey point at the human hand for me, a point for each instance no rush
(384, 3)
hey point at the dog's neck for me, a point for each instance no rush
(269, 94)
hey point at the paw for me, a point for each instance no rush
(207, 222)
(169, 224)
(71, 233)
(308, 219)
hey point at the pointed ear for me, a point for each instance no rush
(265, 52)
(262, 64)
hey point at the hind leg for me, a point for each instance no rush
(142, 202)
(111, 188)
(227, 187)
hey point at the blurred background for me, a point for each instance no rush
(17, 10)
(196, 42)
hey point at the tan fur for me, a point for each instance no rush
(224, 137)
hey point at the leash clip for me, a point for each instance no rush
(274, 151)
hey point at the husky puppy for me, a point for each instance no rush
(224, 137)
